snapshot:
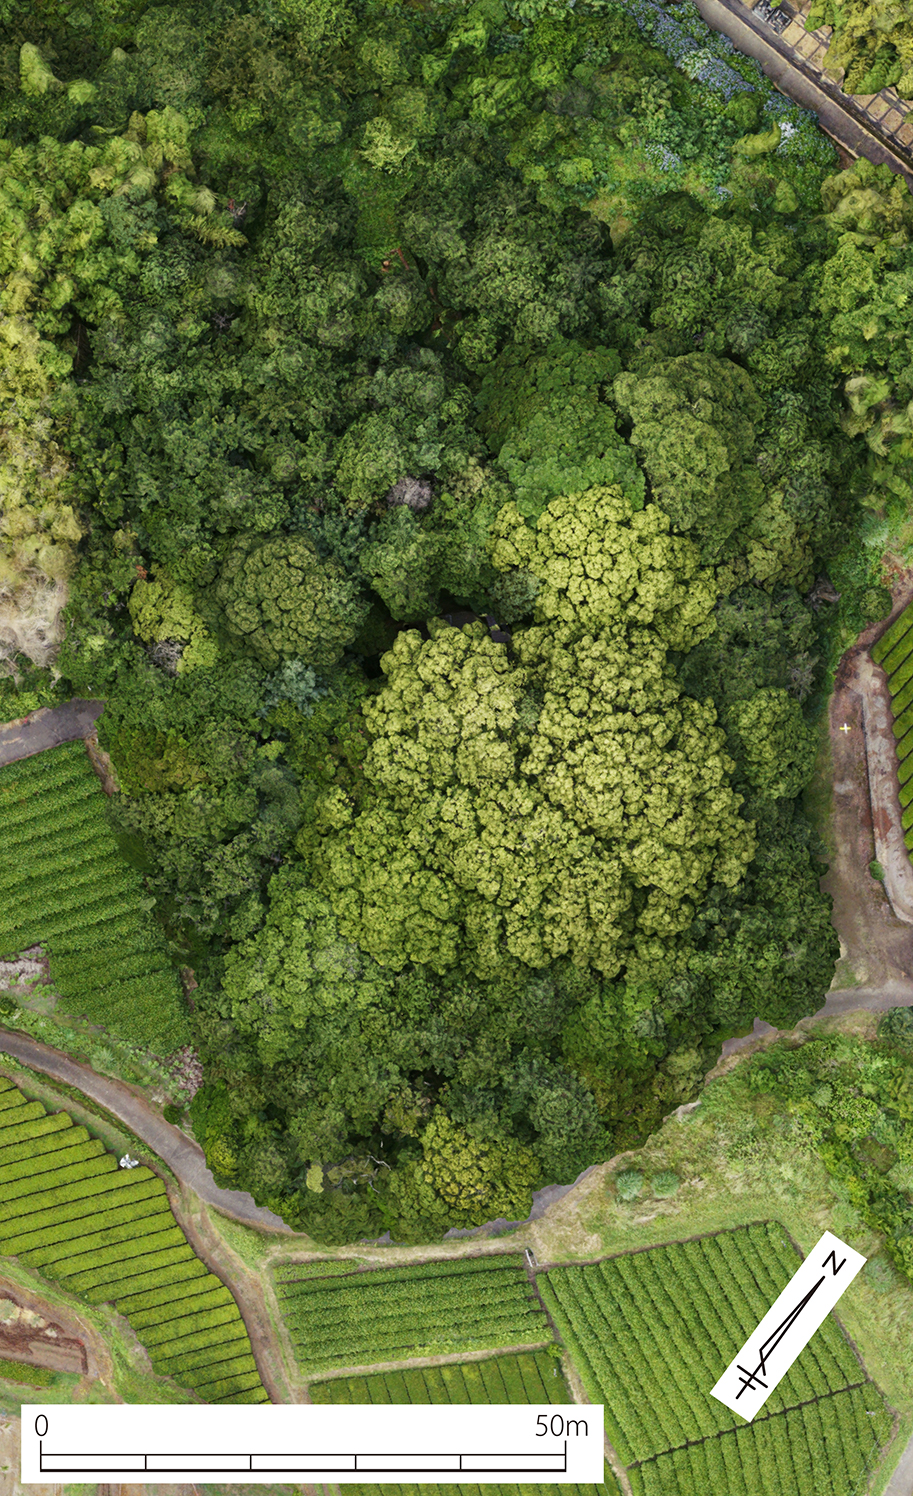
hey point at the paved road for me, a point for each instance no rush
(183, 1156)
(836, 116)
(48, 728)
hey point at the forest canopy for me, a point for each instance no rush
(427, 426)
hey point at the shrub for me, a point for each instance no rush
(173, 1113)
(664, 1184)
(877, 871)
(629, 1184)
(897, 1027)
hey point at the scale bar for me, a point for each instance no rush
(304, 1464)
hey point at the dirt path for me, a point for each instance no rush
(182, 1155)
(48, 728)
(876, 945)
(243, 1284)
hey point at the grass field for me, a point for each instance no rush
(109, 1235)
(64, 885)
(527, 1377)
(650, 1332)
(428, 1309)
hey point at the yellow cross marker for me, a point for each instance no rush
(844, 728)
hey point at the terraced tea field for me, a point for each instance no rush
(894, 653)
(427, 1309)
(64, 885)
(650, 1332)
(109, 1235)
(528, 1377)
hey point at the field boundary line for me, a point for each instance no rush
(768, 1417)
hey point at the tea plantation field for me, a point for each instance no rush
(65, 885)
(109, 1235)
(528, 1377)
(427, 1309)
(894, 653)
(651, 1331)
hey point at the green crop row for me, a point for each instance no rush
(46, 1141)
(171, 1332)
(11, 1137)
(906, 819)
(96, 1280)
(900, 677)
(40, 1166)
(15, 1116)
(86, 1207)
(525, 1377)
(21, 1371)
(165, 1296)
(905, 772)
(213, 1296)
(651, 1332)
(59, 1249)
(825, 1446)
(86, 1169)
(501, 1266)
(902, 723)
(200, 1348)
(137, 1232)
(98, 1180)
(896, 652)
(226, 1342)
(892, 635)
(57, 862)
(902, 699)
(173, 1280)
(896, 656)
(303, 1272)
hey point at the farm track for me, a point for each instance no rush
(48, 728)
(183, 1156)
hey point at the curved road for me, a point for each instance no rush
(182, 1155)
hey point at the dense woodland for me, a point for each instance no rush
(325, 321)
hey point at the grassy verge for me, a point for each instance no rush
(98, 1122)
